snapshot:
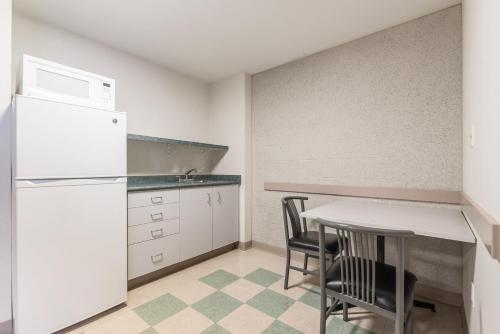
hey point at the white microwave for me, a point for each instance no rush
(56, 82)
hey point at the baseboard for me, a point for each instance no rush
(6, 327)
(297, 256)
(465, 326)
(424, 291)
(269, 248)
(245, 245)
(136, 282)
(443, 296)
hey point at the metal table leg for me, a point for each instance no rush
(381, 258)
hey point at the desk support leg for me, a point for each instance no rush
(400, 281)
(381, 249)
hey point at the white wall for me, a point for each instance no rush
(5, 97)
(230, 124)
(481, 164)
(159, 102)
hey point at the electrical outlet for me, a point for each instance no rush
(472, 295)
(472, 135)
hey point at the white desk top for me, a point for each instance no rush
(444, 223)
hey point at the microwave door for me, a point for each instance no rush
(51, 81)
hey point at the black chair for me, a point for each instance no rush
(302, 240)
(358, 278)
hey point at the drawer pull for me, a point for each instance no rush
(209, 199)
(157, 233)
(219, 197)
(157, 217)
(157, 200)
(157, 258)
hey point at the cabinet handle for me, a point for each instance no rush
(209, 199)
(157, 200)
(157, 233)
(157, 258)
(219, 197)
(157, 217)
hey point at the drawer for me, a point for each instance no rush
(151, 231)
(148, 198)
(146, 257)
(152, 214)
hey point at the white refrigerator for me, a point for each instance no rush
(69, 213)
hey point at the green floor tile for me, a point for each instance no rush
(159, 309)
(338, 326)
(263, 277)
(215, 329)
(149, 331)
(219, 279)
(216, 306)
(271, 303)
(277, 327)
(311, 298)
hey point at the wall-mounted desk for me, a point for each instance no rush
(444, 223)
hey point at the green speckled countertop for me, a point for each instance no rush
(157, 182)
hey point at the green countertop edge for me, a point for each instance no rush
(159, 182)
(131, 136)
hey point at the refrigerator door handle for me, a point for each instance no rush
(34, 183)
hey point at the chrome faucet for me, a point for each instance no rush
(188, 173)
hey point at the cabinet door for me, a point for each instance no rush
(225, 215)
(195, 221)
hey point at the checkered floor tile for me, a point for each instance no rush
(233, 294)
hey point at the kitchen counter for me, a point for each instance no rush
(157, 182)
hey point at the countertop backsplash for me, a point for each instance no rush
(149, 158)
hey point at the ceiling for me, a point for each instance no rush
(213, 39)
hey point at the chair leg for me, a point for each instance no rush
(345, 312)
(409, 323)
(306, 257)
(323, 315)
(287, 269)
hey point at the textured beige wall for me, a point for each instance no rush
(384, 110)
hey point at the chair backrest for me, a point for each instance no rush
(290, 210)
(358, 257)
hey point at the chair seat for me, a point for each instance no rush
(310, 241)
(385, 284)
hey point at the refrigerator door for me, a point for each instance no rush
(69, 251)
(58, 140)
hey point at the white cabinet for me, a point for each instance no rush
(146, 257)
(209, 219)
(153, 231)
(152, 214)
(149, 198)
(225, 215)
(168, 226)
(150, 231)
(196, 221)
